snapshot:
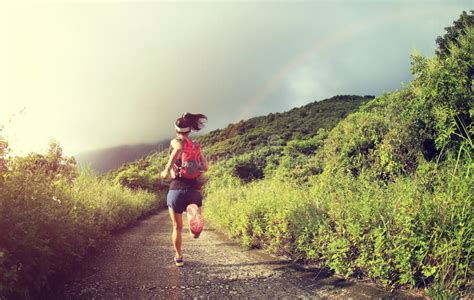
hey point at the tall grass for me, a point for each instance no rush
(48, 223)
(417, 230)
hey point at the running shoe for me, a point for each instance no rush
(179, 262)
(195, 220)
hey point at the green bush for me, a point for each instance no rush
(143, 174)
(50, 215)
(397, 233)
(250, 166)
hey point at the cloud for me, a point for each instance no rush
(95, 75)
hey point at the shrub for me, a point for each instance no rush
(398, 233)
(50, 215)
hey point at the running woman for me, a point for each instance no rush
(185, 165)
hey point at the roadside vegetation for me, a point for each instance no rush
(51, 215)
(387, 193)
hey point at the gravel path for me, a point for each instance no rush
(138, 264)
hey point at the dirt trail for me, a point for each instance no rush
(138, 264)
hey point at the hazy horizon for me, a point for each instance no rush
(98, 75)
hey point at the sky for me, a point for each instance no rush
(93, 74)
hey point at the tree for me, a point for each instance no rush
(453, 33)
(444, 86)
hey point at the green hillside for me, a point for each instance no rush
(264, 134)
(278, 128)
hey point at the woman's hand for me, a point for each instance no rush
(164, 174)
(203, 163)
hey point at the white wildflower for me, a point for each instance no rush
(56, 199)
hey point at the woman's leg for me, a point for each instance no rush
(177, 220)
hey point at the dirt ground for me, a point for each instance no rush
(138, 264)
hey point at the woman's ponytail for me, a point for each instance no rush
(189, 120)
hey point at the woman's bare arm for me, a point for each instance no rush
(177, 147)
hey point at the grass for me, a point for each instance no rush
(415, 231)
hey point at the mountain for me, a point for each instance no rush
(279, 128)
(104, 160)
(248, 137)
